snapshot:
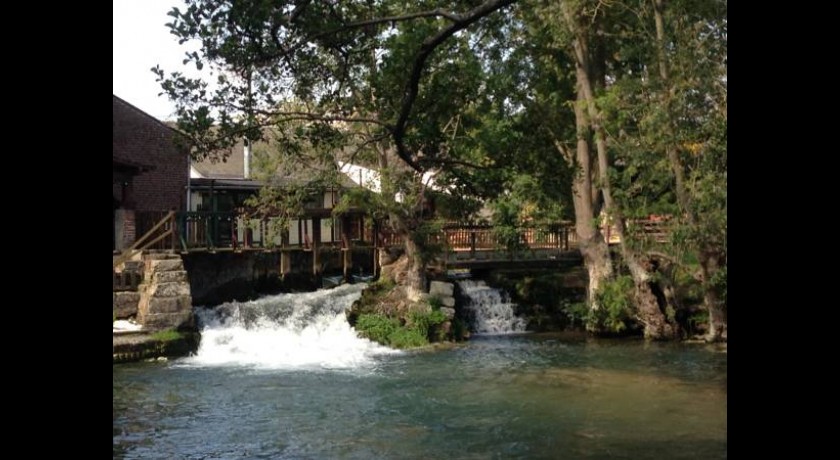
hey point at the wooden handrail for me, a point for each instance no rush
(139, 246)
(137, 243)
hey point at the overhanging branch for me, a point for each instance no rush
(429, 45)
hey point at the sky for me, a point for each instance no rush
(141, 41)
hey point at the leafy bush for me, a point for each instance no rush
(615, 298)
(407, 338)
(376, 327)
(423, 321)
(420, 328)
(577, 312)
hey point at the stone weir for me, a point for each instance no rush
(161, 307)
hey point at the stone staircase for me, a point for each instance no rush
(165, 301)
(162, 300)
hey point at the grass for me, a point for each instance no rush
(167, 335)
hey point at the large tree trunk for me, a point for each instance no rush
(415, 282)
(709, 265)
(593, 247)
(648, 309)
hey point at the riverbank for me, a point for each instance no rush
(138, 345)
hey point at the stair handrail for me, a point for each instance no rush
(139, 245)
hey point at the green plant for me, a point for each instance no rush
(426, 324)
(577, 312)
(407, 338)
(388, 331)
(435, 303)
(167, 335)
(616, 307)
(376, 327)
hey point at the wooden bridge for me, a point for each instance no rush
(462, 246)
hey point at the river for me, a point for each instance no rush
(285, 377)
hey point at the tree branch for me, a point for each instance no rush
(426, 49)
(285, 50)
(441, 162)
(298, 115)
(437, 12)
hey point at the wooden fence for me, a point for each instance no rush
(206, 230)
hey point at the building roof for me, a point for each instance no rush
(233, 167)
(225, 184)
(122, 145)
(231, 171)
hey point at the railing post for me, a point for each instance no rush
(215, 238)
(472, 243)
(565, 238)
(234, 231)
(173, 223)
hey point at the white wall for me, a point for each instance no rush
(195, 200)
(330, 230)
(329, 200)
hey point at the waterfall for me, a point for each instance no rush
(489, 310)
(306, 330)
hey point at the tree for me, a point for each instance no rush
(364, 71)
(667, 110)
(622, 102)
(616, 49)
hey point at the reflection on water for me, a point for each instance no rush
(533, 396)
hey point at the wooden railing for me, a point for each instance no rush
(206, 230)
(161, 233)
(471, 238)
(650, 230)
(656, 230)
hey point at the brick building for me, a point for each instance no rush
(150, 169)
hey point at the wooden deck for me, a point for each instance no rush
(530, 258)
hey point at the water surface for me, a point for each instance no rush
(322, 393)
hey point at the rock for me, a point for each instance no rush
(175, 276)
(125, 304)
(449, 312)
(133, 266)
(182, 319)
(169, 289)
(165, 300)
(447, 301)
(441, 289)
(165, 265)
(169, 304)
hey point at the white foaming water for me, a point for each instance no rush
(126, 325)
(293, 331)
(489, 309)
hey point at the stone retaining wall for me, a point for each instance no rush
(165, 300)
